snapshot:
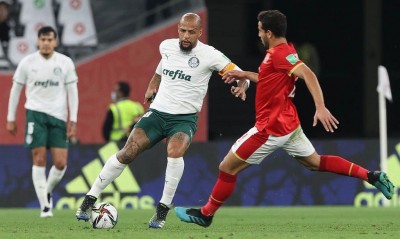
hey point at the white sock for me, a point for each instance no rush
(173, 175)
(39, 182)
(111, 170)
(55, 176)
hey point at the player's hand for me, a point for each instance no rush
(149, 96)
(12, 127)
(71, 130)
(240, 90)
(233, 75)
(326, 118)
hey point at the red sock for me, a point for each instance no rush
(336, 164)
(223, 188)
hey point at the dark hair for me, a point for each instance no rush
(124, 88)
(46, 30)
(273, 20)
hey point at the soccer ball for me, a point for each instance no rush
(104, 215)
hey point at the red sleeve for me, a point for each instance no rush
(285, 58)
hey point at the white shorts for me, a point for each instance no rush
(254, 145)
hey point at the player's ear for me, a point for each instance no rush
(200, 32)
(269, 34)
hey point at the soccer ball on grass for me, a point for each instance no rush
(104, 216)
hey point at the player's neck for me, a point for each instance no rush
(277, 41)
(47, 56)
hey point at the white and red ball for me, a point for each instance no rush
(104, 216)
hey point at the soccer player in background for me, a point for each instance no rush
(277, 123)
(51, 89)
(179, 86)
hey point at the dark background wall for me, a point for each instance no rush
(336, 29)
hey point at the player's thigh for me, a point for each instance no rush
(177, 144)
(39, 156)
(36, 133)
(59, 157)
(186, 124)
(298, 145)
(254, 146)
(153, 125)
(57, 136)
(180, 133)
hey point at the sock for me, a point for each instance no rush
(39, 182)
(111, 170)
(55, 176)
(173, 175)
(222, 190)
(336, 164)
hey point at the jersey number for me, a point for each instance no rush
(30, 127)
(292, 93)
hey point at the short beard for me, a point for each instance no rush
(265, 44)
(185, 49)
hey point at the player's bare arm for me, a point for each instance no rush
(12, 127)
(152, 88)
(71, 129)
(233, 75)
(321, 112)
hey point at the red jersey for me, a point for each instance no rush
(275, 111)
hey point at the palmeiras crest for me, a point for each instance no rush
(57, 71)
(194, 62)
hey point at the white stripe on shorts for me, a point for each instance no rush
(295, 144)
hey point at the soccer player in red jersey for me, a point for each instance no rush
(277, 123)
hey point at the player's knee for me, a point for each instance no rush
(60, 165)
(311, 167)
(39, 160)
(175, 153)
(128, 153)
(227, 168)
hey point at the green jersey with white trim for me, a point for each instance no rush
(185, 76)
(46, 81)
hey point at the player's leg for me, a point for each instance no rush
(36, 135)
(223, 189)
(57, 171)
(250, 149)
(57, 141)
(180, 131)
(176, 147)
(145, 134)
(301, 148)
(136, 143)
(339, 165)
(39, 179)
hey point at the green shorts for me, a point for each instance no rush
(43, 130)
(159, 125)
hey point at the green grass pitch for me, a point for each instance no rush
(229, 223)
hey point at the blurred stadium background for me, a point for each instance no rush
(109, 41)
